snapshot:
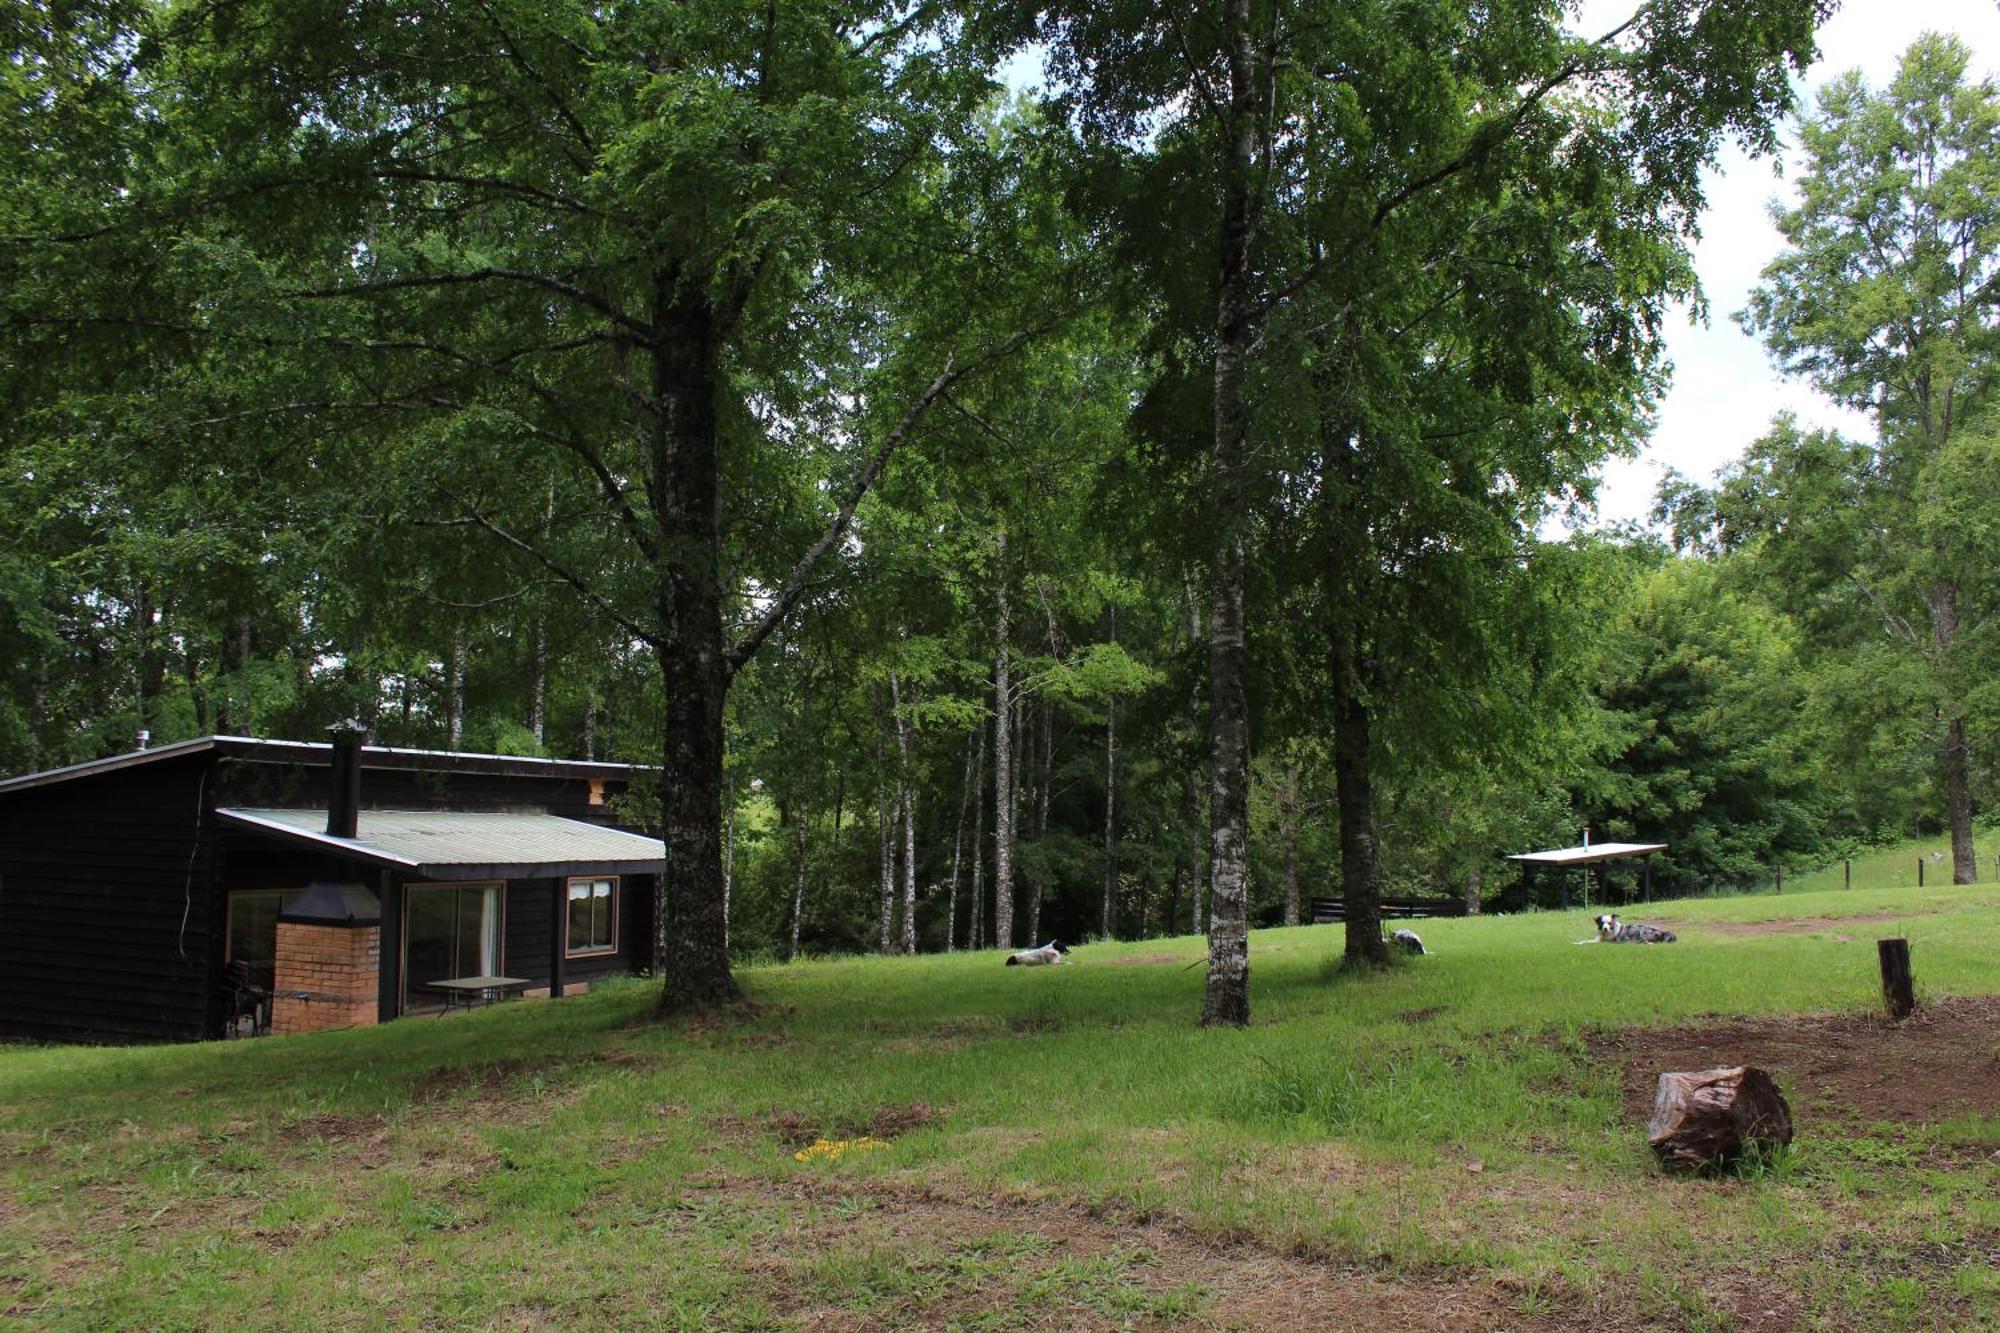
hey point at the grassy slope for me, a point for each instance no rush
(570, 1162)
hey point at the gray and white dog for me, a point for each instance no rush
(1407, 941)
(1048, 954)
(1610, 930)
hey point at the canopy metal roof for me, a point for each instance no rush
(1590, 853)
(439, 844)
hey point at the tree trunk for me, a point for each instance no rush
(909, 871)
(694, 669)
(1042, 816)
(590, 726)
(976, 909)
(728, 862)
(1475, 887)
(1108, 927)
(1003, 763)
(538, 686)
(454, 691)
(1226, 1000)
(1288, 832)
(798, 881)
(197, 695)
(965, 791)
(885, 827)
(1197, 843)
(908, 815)
(1354, 787)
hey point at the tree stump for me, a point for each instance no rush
(1704, 1121)
(1898, 987)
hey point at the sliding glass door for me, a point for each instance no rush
(449, 930)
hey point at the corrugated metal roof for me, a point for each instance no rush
(320, 752)
(1590, 853)
(434, 842)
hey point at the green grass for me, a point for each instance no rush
(1066, 1147)
(1896, 867)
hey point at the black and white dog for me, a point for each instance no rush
(1610, 930)
(1048, 954)
(1407, 941)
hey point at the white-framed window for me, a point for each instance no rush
(592, 927)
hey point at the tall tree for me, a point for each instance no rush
(1883, 299)
(1393, 107)
(689, 256)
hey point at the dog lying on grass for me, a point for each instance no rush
(1048, 954)
(1610, 930)
(1407, 941)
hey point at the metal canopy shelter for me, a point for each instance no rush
(1595, 854)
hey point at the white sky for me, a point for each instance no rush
(1725, 389)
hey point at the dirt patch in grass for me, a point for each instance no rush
(1423, 1015)
(796, 1129)
(1800, 925)
(912, 1257)
(1941, 1063)
(328, 1127)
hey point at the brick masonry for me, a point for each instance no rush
(326, 977)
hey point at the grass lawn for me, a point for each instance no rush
(1459, 1144)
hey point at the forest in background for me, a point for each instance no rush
(1125, 510)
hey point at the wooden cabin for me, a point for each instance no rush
(163, 895)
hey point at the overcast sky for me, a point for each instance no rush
(1725, 389)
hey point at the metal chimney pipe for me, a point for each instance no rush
(343, 799)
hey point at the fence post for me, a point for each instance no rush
(1781, 878)
(1847, 874)
(1920, 872)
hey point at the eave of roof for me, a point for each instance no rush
(1591, 854)
(464, 844)
(257, 750)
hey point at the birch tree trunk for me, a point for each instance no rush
(1226, 1000)
(1003, 763)
(798, 882)
(538, 689)
(904, 812)
(909, 871)
(1475, 887)
(454, 690)
(885, 819)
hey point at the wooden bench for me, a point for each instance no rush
(1328, 911)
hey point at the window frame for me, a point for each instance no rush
(570, 950)
(403, 893)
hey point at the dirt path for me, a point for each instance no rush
(1943, 1062)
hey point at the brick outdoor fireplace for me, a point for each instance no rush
(329, 961)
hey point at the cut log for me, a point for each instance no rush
(1705, 1121)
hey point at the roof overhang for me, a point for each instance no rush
(1590, 854)
(462, 845)
(257, 750)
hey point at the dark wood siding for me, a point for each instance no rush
(245, 782)
(113, 886)
(530, 914)
(108, 919)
